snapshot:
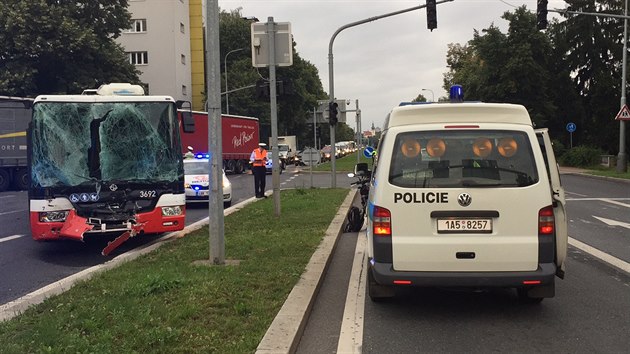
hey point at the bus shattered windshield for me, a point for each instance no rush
(78, 142)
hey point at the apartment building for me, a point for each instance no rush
(158, 44)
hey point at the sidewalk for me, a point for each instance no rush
(571, 170)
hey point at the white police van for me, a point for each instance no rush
(465, 195)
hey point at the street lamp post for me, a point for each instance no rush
(227, 101)
(432, 95)
(622, 163)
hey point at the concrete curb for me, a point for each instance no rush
(19, 305)
(286, 329)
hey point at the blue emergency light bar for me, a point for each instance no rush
(202, 156)
(456, 94)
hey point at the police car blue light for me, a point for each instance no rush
(456, 93)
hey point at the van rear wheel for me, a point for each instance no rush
(378, 292)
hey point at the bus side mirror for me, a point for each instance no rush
(188, 122)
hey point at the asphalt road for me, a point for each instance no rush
(589, 313)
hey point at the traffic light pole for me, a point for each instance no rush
(331, 78)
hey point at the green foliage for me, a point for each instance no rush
(581, 156)
(558, 147)
(419, 98)
(512, 67)
(52, 47)
(569, 73)
(293, 109)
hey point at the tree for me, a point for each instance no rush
(294, 108)
(51, 46)
(511, 68)
(594, 53)
(419, 98)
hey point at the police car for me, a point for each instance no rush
(465, 195)
(269, 163)
(197, 181)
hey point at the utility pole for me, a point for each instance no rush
(622, 160)
(213, 82)
(358, 115)
(275, 170)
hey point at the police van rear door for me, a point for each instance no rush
(558, 199)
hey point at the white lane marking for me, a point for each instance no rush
(611, 222)
(614, 261)
(7, 196)
(351, 334)
(613, 201)
(578, 194)
(608, 200)
(12, 212)
(9, 238)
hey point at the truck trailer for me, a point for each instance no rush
(15, 114)
(239, 138)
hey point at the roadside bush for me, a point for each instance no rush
(581, 156)
(558, 147)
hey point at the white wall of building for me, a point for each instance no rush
(165, 43)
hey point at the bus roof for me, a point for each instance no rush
(98, 98)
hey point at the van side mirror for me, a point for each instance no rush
(188, 122)
(361, 169)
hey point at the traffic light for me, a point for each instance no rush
(541, 15)
(262, 89)
(332, 113)
(431, 15)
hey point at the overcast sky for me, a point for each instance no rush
(388, 61)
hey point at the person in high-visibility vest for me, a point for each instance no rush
(258, 158)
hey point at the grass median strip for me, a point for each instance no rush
(161, 302)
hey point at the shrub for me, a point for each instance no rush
(581, 156)
(558, 147)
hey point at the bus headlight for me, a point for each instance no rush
(53, 216)
(172, 210)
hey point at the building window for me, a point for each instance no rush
(184, 90)
(138, 26)
(183, 59)
(138, 58)
(182, 28)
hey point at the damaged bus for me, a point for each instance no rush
(108, 161)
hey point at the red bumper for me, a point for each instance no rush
(74, 227)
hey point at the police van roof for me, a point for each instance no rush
(463, 113)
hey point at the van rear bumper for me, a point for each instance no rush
(385, 274)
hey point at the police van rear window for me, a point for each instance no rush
(462, 158)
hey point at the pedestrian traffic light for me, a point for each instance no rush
(332, 113)
(431, 15)
(541, 15)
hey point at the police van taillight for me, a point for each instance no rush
(546, 221)
(382, 222)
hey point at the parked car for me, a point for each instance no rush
(197, 182)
